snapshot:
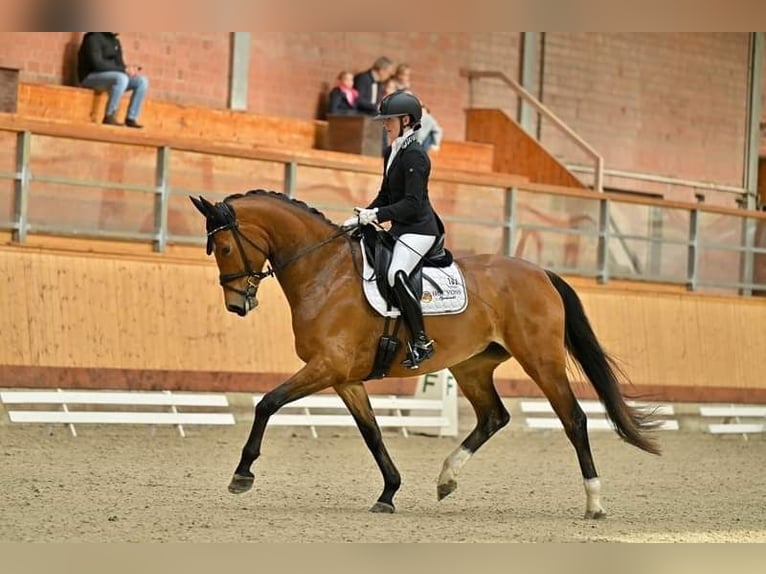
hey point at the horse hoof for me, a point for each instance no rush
(382, 508)
(595, 514)
(240, 483)
(444, 490)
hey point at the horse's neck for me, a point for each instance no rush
(287, 230)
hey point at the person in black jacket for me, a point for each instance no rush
(369, 84)
(343, 97)
(100, 66)
(403, 200)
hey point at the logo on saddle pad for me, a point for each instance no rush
(450, 298)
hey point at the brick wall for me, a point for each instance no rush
(289, 72)
(41, 57)
(663, 103)
(185, 68)
(672, 104)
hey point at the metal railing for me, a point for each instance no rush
(572, 232)
(598, 159)
(664, 179)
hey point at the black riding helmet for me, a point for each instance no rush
(400, 104)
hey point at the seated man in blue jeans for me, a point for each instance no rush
(100, 66)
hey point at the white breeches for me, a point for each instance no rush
(408, 251)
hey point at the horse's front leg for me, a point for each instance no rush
(308, 380)
(357, 401)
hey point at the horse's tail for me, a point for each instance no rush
(602, 371)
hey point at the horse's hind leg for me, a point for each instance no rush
(357, 401)
(474, 377)
(550, 375)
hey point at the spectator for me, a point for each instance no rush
(402, 77)
(100, 66)
(430, 133)
(389, 87)
(369, 85)
(343, 97)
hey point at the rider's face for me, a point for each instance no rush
(393, 125)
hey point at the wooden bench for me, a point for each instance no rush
(597, 422)
(66, 415)
(732, 416)
(324, 411)
(169, 120)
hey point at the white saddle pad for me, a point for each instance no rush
(452, 300)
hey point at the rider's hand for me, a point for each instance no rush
(351, 222)
(367, 216)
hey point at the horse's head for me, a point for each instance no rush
(239, 258)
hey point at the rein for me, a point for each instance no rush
(255, 277)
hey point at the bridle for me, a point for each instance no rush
(254, 277)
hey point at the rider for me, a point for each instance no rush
(403, 200)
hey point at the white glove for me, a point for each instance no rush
(367, 216)
(351, 222)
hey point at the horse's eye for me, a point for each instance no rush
(226, 250)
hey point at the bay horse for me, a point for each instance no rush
(516, 309)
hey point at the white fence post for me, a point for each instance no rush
(441, 386)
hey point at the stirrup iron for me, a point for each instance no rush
(418, 353)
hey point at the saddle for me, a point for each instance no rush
(379, 249)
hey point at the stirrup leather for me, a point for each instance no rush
(418, 352)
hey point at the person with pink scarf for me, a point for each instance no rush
(344, 97)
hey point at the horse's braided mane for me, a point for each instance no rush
(281, 197)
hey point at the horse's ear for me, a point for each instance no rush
(199, 205)
(209, 207)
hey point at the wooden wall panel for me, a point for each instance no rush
(76, 311)
(14, 310)
(80, 311)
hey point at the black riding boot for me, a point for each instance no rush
(421, 347)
